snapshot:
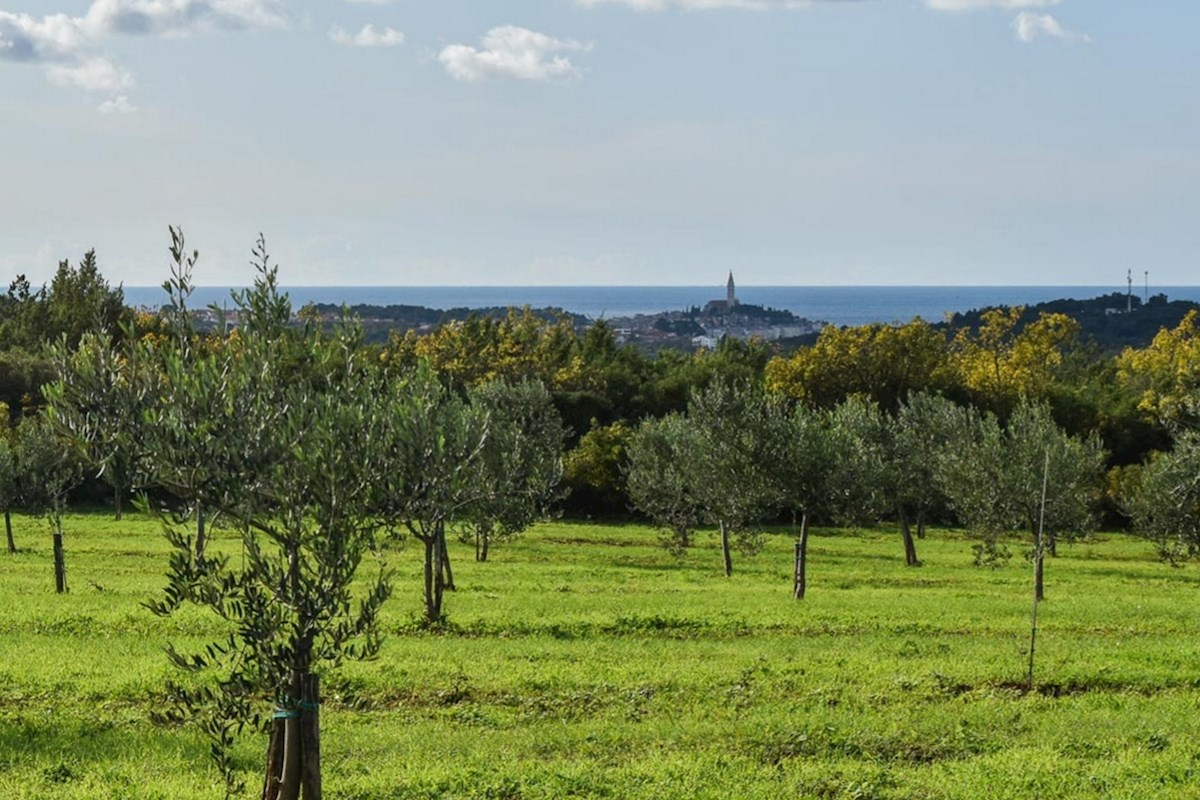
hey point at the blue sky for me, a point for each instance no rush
(605, 141)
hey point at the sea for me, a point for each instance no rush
(836, 305)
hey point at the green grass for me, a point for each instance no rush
(585, 662)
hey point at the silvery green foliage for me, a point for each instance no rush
(924, 426)
(714, 466)
(802, 462)
(1165, 504)
(427, 480)
(736, 429)
(994, 477)
(519, 470)
(660, 481)
(96, 404)
(279, 422)
(47, 468)
(863, 467)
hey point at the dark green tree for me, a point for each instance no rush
(592, 471)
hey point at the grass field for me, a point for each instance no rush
(585, 662)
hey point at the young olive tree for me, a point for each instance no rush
(520, 466)
(866, 472)
(995, 481)
(1165, 503)
(924, 425)
(187, 382)
(428, 478)
(96, 404)
(294, 453)
(660, 481)
(733, 428)
(48, 470)
(8, 485)
(802, 470)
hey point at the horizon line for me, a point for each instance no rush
(674, 286)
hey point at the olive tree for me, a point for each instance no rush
(48, 470)
(1165, 502)
(803, 477)
(96, 403)
(660, 480)
(294, 457)
(712, 466)
(187, 380)
(8, 486)
(922, 428)
(865, 472)
(520, 466)
(428, 478)
(994, 481)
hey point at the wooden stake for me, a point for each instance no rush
(1037, 569)
(310, 737)
(274, 756)
(800, 585)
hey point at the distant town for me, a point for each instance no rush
(689, 329)
(705, 327)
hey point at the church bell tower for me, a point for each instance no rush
(730, 296)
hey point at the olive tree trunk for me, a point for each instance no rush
(910, 546)
(447, 572)
(201, 535)
(435, 573)
(12, 543)
(60, 564)
(725, 554)
(483, 538)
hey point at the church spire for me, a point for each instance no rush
(730, 296)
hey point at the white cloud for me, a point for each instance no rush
(118, 105)
(367, 37)
(1031, 26)
(70, 47)
(57, 37)
(970, 5)
(512, 52)
(145, 17)
(95, 74)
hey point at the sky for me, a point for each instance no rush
(592, 142)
